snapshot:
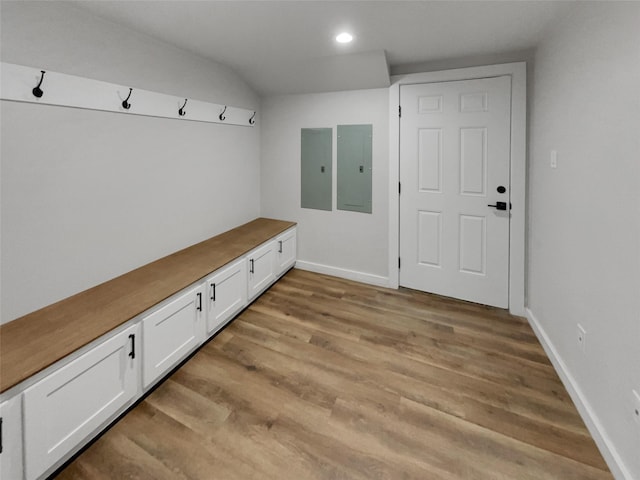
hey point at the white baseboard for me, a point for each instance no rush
(354, 275)
(604, 443)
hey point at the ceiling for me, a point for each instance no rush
(283, 47)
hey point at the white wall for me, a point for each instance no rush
(88, 195)
(348, 244)
(511, 56)
(584, 216)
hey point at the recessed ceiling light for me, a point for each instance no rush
(344, 37)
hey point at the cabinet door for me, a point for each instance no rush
(66, 407)
(11, 439)
(227, 294)
(261, 268)
(170, 333)
(286, 251)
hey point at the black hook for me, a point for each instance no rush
(126, 105)
(251, 120)
(38, 91)
(221, 116)
(182, 112)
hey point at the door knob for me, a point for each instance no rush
(499, 206)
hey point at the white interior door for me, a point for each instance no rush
(454, 165)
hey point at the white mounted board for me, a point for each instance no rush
(18, 83)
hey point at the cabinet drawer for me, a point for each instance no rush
(170, 333)
(67, 406)
(227, 294)
(285, 251)
(11, 439)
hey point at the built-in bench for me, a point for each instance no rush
(93, 339)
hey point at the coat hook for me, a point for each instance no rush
(221, 116)
(251, 120)
(38, 91)
(126, 105)
(182, 112)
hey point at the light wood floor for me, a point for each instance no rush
(323, 378)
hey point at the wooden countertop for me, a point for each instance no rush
(31, 343)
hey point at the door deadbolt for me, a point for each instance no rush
(501, 189)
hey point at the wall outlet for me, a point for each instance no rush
(636, 406)
(553, 159)
(582, 338)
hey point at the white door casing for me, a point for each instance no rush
(454, 154)
(517, 258)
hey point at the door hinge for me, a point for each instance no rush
(400, 111)
(398, 263)
(399, 188)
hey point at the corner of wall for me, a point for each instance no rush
(580, 400)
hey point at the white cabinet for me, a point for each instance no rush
(170, 333)
(285, 251)
(11, 439)
(261, 268)
(67, 406)
(226, 294)
(44, 424)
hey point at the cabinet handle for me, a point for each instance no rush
(0, 434)
(251, 266)
(280, 246)
(132, 353)
(213, 292)
(199, 302)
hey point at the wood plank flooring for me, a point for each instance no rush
(323, 378)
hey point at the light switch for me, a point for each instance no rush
(553, 161)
